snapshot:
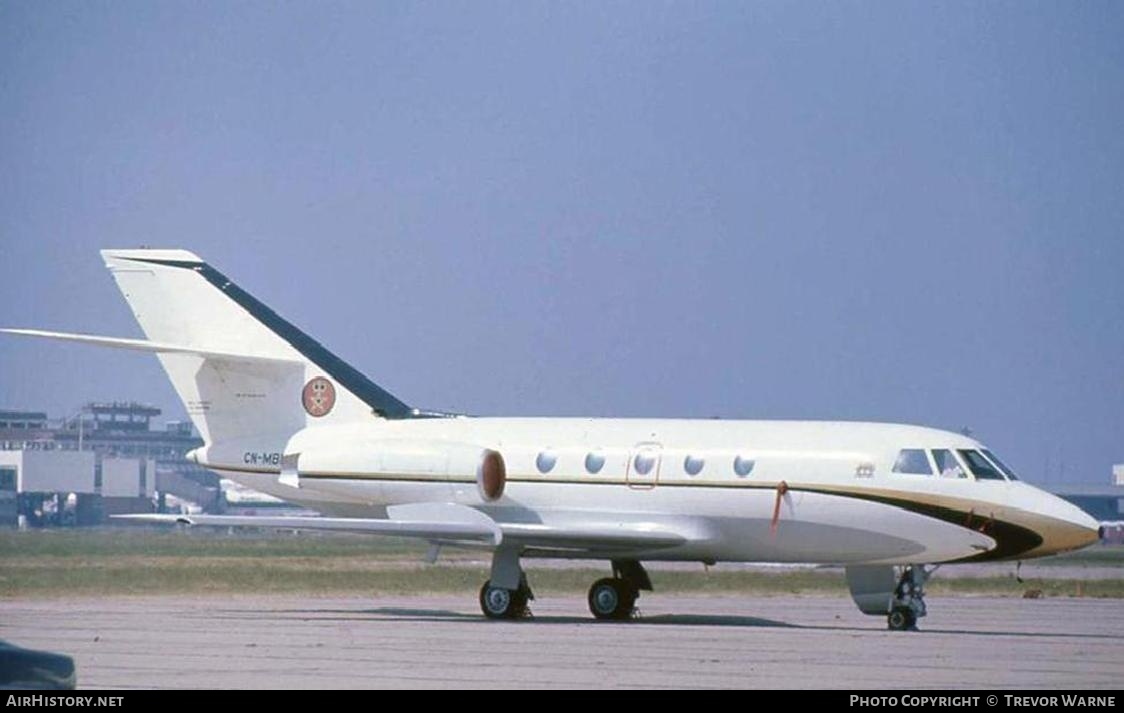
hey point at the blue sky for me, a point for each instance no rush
(877, 211)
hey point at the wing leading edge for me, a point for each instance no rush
(451, 523)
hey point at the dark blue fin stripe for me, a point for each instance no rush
(380, 400)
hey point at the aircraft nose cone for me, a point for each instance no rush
(1072, 529)
(1093, 530)
(1089, 536)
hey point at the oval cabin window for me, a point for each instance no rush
(693, 465)
(743, 466)
(594, 462)
(545, 462)
(643, 463)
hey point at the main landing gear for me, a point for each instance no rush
(614, 598)
(500, 603)
(506, 595)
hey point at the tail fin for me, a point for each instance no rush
(240, 369)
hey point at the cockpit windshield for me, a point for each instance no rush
(913, 461)
(1001, 465)
(981, 467)
(947, 465)
(982, 464)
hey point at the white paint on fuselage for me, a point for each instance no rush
(825, 465)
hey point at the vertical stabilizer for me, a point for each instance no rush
(292, 383)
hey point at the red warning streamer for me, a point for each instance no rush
(782, 488)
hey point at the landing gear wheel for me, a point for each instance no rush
(498, 603)
(612, 599)
(901, 619)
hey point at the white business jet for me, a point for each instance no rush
(281, 414)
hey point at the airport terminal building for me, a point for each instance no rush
(104, 460)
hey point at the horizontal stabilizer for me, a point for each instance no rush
(143, 345)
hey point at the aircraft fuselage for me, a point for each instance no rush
(841, 501)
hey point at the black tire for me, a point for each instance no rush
(498, 603)
(901, 619)
(611, 599)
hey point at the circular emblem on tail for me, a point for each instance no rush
(318, 397)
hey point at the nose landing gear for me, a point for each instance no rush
(884, 590)
(908, 604)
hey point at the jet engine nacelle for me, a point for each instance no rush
(399, 459)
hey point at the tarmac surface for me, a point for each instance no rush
(677, 642)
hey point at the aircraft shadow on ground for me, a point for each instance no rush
(419, 614)
(700, 620)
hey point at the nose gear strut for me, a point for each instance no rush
(908, 604)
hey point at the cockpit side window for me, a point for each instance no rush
(913, 461)
(981, 467)
(1001, 465)
(947, 465)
